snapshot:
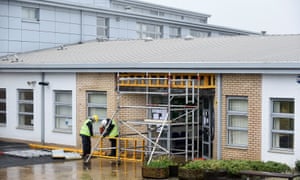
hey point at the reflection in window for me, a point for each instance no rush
(283, 123)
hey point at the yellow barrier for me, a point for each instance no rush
(136, 153)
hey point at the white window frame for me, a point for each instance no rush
(99, 108)
(199, 33)
(63, 119)
(278, 133)
(3, 105)
(144, 30)
(102, 29)
(25, 109)
(233, 131)
(174, 29)
(31, 14)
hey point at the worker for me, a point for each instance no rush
(86, 132)
(110, 129)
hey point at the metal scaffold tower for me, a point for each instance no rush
(168, 115)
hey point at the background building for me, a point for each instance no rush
(38, 24)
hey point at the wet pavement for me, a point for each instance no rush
(96, 168)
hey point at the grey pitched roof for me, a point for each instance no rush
(263, 54)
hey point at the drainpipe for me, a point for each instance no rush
(81, 27)
(42, 108)
(219, 118)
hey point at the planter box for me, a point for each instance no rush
(190, 174)
(173, 171)
(156, 173)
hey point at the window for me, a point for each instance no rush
(97, 104)
(149, 30)
(25, 108)
(63, 110)
(175, 32)
(30, 13)
(2, 106)
(196, 33)
(283, 123)
(237, 121)
(102, 27)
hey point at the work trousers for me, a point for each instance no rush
(113, 143)
(86, 145)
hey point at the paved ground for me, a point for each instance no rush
(10, 161)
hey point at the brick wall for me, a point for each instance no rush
(249, 86)
(106, 82)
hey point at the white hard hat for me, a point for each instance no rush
(103, 123)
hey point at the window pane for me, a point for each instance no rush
(63, 110)
(26, 120)
(238, 121)
(2, 118)
(26, 95)
(238, 138)
(240, 105)
(97, 99)
(63, 98)
(25, 107)
(2, 94)
(283, 124)
(283, 140)
(283, 107)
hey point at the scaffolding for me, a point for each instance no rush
(172, 125)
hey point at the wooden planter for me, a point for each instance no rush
(156, 173)
(190, 174)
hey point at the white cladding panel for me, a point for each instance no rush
(279, 86)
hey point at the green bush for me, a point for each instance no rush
(233, 167)
(297, 165)
(161, 162)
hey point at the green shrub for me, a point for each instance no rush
(297, 165)
(233, 167)
(161, 162)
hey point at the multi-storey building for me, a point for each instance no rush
(27, 25)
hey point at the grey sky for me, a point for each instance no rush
(273, 16)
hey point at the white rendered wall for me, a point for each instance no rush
(14, 81)
(279, 86)
(59, 81)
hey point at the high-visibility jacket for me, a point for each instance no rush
(112, 129)
(115, 131)
(87, 128)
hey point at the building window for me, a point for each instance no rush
(25, 109)
(149, 30)
(175, 32)
(283, 114)
(2, 106)
(30, 13)
(196, 33)
(237, 121)
(102, 27)
(63, 110)
(97, 104)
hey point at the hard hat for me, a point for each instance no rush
(103, 123)
(95, 118)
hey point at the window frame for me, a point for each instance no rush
(236, 113)
(104, 27)
(96, 105)
(144, 32)
(68, 117)
(4, 111)
(25, 102)
(285, 116)
(34, 10)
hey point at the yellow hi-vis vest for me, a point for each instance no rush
(115, 131)
(85, 129)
